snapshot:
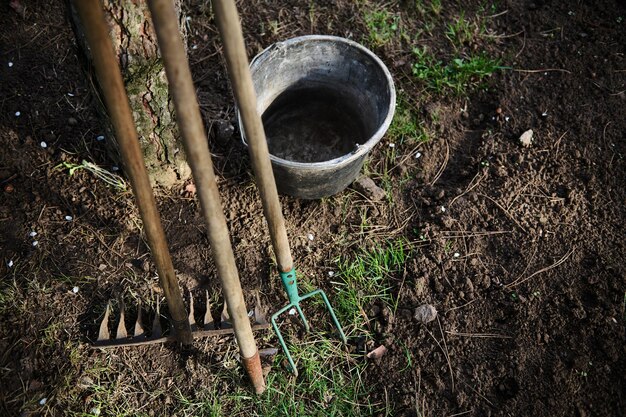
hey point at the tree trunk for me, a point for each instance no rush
(135, 45)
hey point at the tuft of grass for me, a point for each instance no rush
(464, 31)
(383, 26)
(109, 178)
(365, 279)
(459, 76)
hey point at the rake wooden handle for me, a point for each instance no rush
(241, 81)
(199, 157)
(110, 78)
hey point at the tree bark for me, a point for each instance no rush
(135, 44)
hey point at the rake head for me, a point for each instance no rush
(141, 336)
(291, 287)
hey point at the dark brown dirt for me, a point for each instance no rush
(520, 249)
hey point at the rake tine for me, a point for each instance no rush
(192, 320)
(208, 318)
(259, 315)
(121, 326)
(139, 329)
(225, 317)
(104, 333)
(156, 323)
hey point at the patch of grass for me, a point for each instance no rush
(458, 76)
(365, 279)
(406, 126)
(382, 26)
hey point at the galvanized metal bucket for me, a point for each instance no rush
(325, 101)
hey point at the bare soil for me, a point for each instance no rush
(520, 249)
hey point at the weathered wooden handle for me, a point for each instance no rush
(197, 151)
(116, 100)
(241, 81)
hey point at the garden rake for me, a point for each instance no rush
(241, 80)
(194, 139)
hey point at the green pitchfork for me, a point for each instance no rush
(241, 81)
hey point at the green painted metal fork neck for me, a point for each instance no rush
(291, 285)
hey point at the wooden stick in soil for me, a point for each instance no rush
(116, 100)
(241, 80)
(199, 157)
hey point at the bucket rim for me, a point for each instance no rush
(362, 149)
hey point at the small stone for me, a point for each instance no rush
(392, 145)
(292, 312)
(527, 138)
(100, 138)
(310, 237)
(75, 290)
(35, 243)
(69, 218)
(43, 144)
(456, 254)
(72, 121)
(10, 64)
(367, 187)
(331, 273)
(224, 132)
(32, 234)
(418, 155)
(10, 264)
(18, 114)
(43, 401)
(425, 313)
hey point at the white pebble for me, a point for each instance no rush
(10, 263)
(32, 234)
(310, 236)
(100, 138)
(69, 218)
(70, 94)
(194, 47)
(43, 401)
(443, 209)
(331, 273)
(456, 254)
(95, 411)
(418, 155)
(506, 118)
(35, 243)
(75, 290)
(18, 114)
(43, 144)
(544, 114)
(10, 64)
(392, 145)
(292, 312)
(250, 313)
(115, 168)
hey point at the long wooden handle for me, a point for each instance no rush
(199, 157)
(116, 100)
(241, 81)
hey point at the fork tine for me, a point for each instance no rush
(104, 333)
(156, 323)
(208, 318)
(192, 319)
(121, 326)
